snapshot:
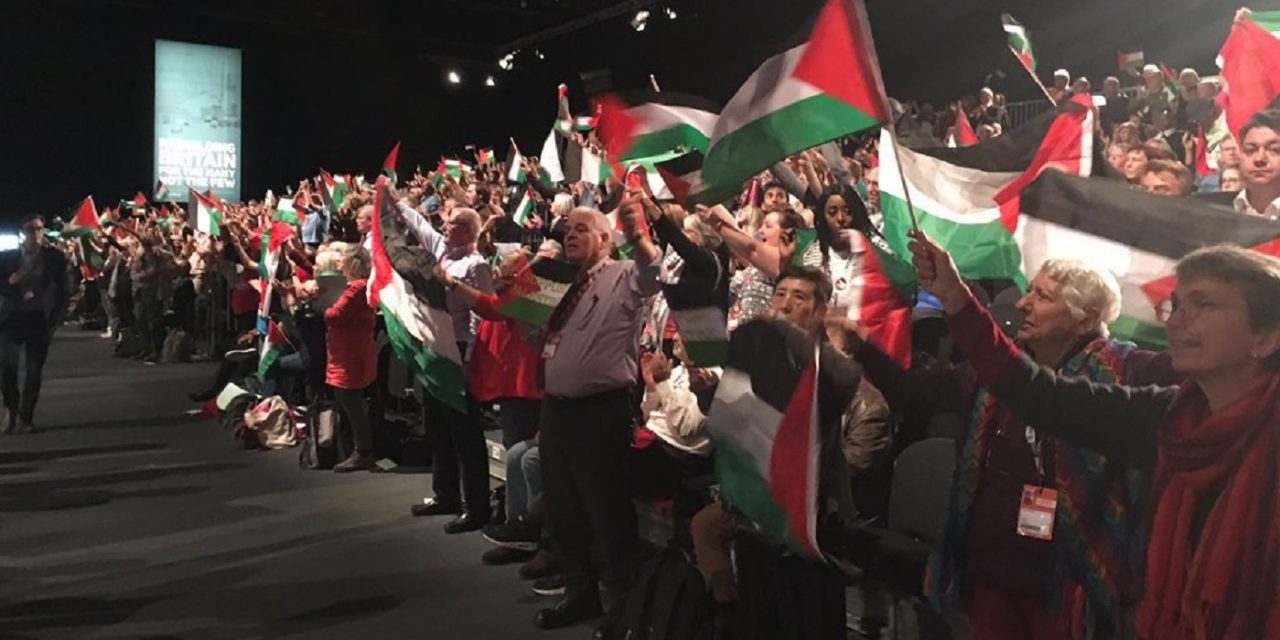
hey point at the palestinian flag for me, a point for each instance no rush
(536, 290)
(455, 168)
(272, 348)
(526, 208)
(1130, 61)
(803, 97)
(968, 201)
(85, 221)
(764, 423)
(161, 191)
(287, 211)
(1269, 21)
(964, 135)
(273, 239)
(1137, 236)
(1019, 43)
(139, 201)
(412, 303)
(683, 177)
(514, 172)
(550, 159)
(666, 122)
(389, 165)
(207, 213)
(1250, 71)
(566, 123)
(484, 157)
(335, 190)
(703, 326)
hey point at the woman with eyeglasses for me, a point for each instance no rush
(1212, 443)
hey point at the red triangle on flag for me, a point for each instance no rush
(1063, 149)
(965, 136)
(616, 130)
(840, 59)
(793, 462)
(1161, 290)
(86, 215)
(389, 165)
(140, 200)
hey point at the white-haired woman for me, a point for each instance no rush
(1211, 443)
(352, 362)
(1010, 584)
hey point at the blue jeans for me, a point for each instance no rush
(524, 479)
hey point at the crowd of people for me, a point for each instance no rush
(1161, 466)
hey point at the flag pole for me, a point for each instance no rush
(1035, 77)
(654, 83)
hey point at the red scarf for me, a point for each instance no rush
(1225, 584)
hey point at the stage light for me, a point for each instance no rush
(454, 77)
(10, 241)
(671, 13)
(539, 54)
(507, 62)
(641, 20)
(488, 82)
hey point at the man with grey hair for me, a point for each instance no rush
(1008, 577)
(590, 363)
(460, 467)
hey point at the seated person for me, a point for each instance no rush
(672, 445)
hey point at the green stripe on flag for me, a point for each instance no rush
(806, 123)
(744, 488)
(442, 377)
(981, 249)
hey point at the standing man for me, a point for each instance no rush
(591, 362)
(33, 299)
(460, 466)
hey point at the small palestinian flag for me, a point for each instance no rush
(273, 239)
(139, 201)
(566, 123)
(766, 424)
(85, 221)
(455, 168)
(964, 135)
(484, 157)
(524, 210)
(581, 164)
(536, 291)
(287, 212)
(1019, 43)
(272, 348)
(550, 159)
(683, 177)
(1130, 61)
(162, 191)
(335, 189)
(207, 213)
(389, 165)
(515, 173)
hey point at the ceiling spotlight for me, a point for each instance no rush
(507, 62)
(671, 13)
(641, 20)
(539, 54)
(454, 77)
(488, 82)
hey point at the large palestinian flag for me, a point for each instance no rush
(967, 202)
(1137, 236)
(765, 424)
(666, 122)
(412, 303)
(818, 91)
(536, 290)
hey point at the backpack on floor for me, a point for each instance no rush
(322, 445)
(177, 347)
(667, 601)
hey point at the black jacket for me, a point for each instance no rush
(55, 289)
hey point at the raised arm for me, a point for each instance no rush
(1118, 421)
(744, 247)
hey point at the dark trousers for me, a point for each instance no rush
(660, 470)
(519, 419)
(149, 321)
(584, 446)
(351, 401)
(459, 466)
(24, 331)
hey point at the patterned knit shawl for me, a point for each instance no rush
(1097, 518)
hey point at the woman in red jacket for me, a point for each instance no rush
(352, 354)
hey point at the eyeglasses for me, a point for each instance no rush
(1191, 309)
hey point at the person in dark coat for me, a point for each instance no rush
(34, 289)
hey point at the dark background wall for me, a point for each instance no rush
(335, 83)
